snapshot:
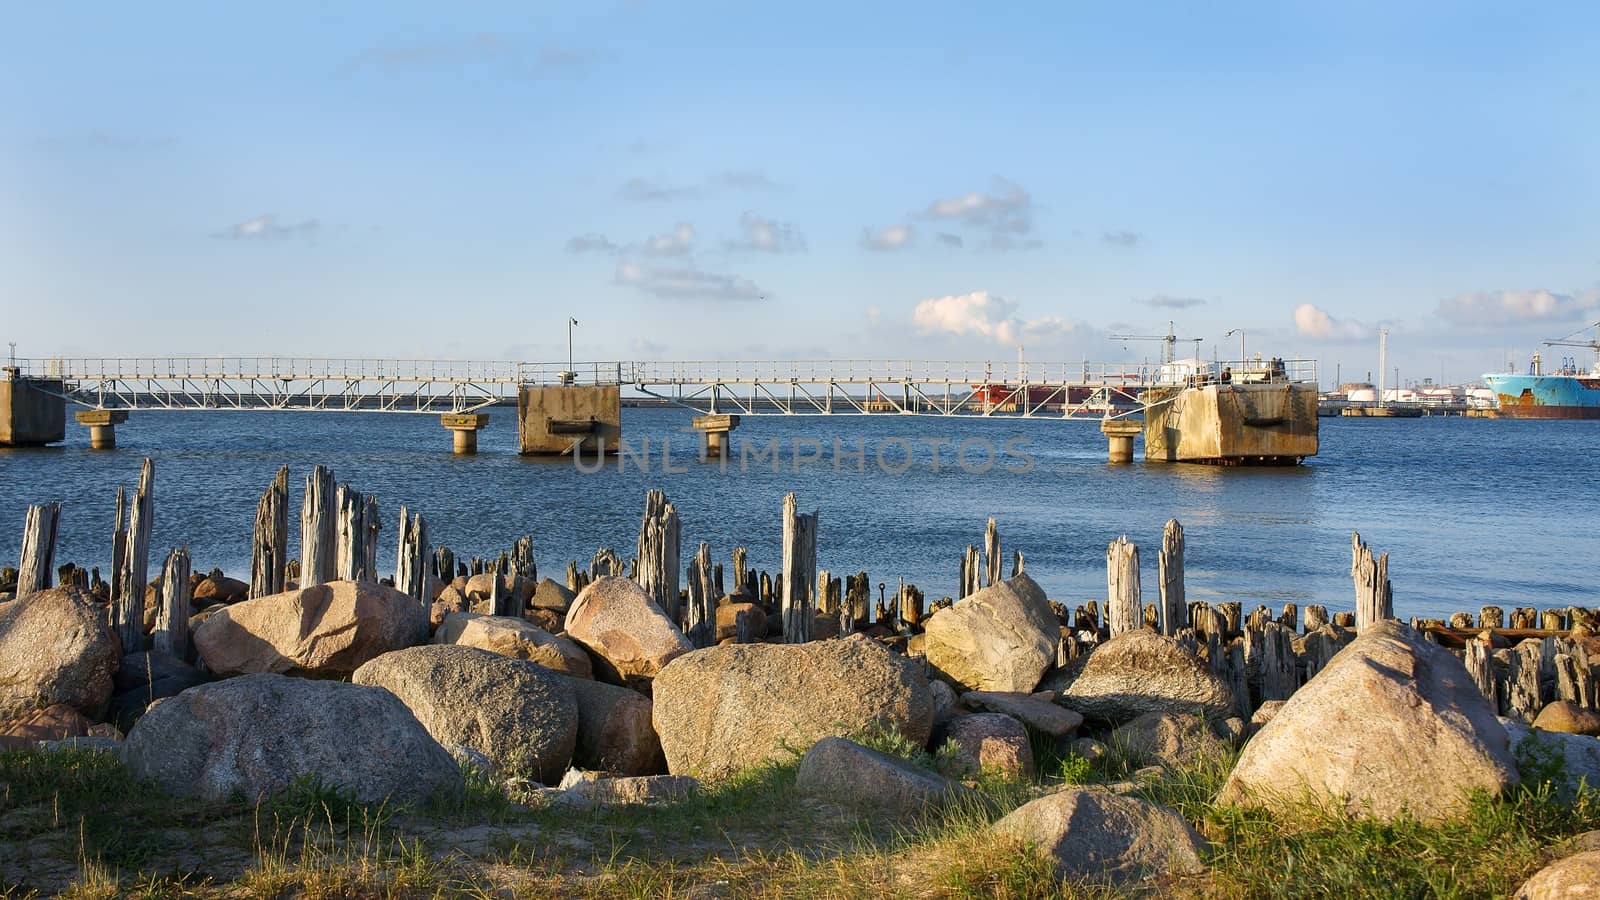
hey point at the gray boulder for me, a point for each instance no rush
(1393, 725)
(552, 595)
(1139, 672)
(146, 677)
(985, 742)
(254, 736)
(724, 709)
(1002, 638)
(847, 773)
(630, 637)
(55, 648)
(585, 789)
(326, 631)
(1097, 836)
(519, 714)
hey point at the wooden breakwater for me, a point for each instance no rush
(1519, 661)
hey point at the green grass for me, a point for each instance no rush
(752, 835)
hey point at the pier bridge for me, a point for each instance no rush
(562, 407)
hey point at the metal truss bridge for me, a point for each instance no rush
(746, 388)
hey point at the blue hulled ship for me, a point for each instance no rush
(1568, 392)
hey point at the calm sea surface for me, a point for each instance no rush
(1470, 511)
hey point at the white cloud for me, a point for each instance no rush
(1005, 213)
(686, 282)
(1488, 308)
(984, 315)
(766, 236)
(677, 242)
(645, 190)
(265, 227)
(893, 237)
(1315, 322)
(743, 180)
(1121, 238)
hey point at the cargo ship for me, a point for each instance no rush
(1567, 392)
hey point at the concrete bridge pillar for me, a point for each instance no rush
(102, 425)
(464, 429)
(32, 410)
(1120, 433)
(715, 428)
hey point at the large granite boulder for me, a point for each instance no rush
(616, 734)
(522, 716)
(1097, 836)
(55, 648)
(849, 774)
(53, 723)
(1567, 717)
(1576, 877)
(1037, 713)
(1002, 638)
(253, 737)
(630, 637)
(326, 631)
(552, 595)
(146, 677)
(733, 707)
(516, 638)
(217, 588)
(1394, 725)
(1139, 672)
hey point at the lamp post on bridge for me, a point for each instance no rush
(570, 376)
(1240, 332)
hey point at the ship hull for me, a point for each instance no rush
(1546, 396)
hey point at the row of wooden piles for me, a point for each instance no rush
(1263, 655)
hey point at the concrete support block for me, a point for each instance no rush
(1120, 433)
(561, 419)
(715, 429)
(32, 410)
(102, 425)
(464, 429)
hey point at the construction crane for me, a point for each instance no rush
(1170, 339)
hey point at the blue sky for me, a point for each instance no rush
(697, 180)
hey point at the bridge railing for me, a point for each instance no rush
(860, 371)
(264, 368)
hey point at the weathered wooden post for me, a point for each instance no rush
(1124, 606)
(799, 572)
(411, 561)
(991, 553)
(658, 553)
(522, 562)
(128, 611)
(1278, 678)
(824, 578)
(1374, 597)
(269, 548)
(1478, 667)
(701, 619)
(606, 562)
(171, 634)
(1016, 563)
(1174, 607)
(38, 548)
(318, 530)
(741, 575)
(119, 544)
(357, 536)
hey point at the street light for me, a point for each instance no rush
(571, 375)
(1240, 332)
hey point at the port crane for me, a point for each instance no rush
(1592, 345)
(1170, 340)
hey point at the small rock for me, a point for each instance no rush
(1567, 717)
(1231, 729)
(89, 743)
(615, 730)
(56, 722)
(845, 772)
(1099, 836)
(1040, 715)
(1265, 712)
(986, 742)
(470, 757)
(1575, 878)
(218, 588)
(944, 700)
(732, 616)
(552, 595)
(1089, 749)
(596, 789)
(1172, 740)
(1573, 759)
